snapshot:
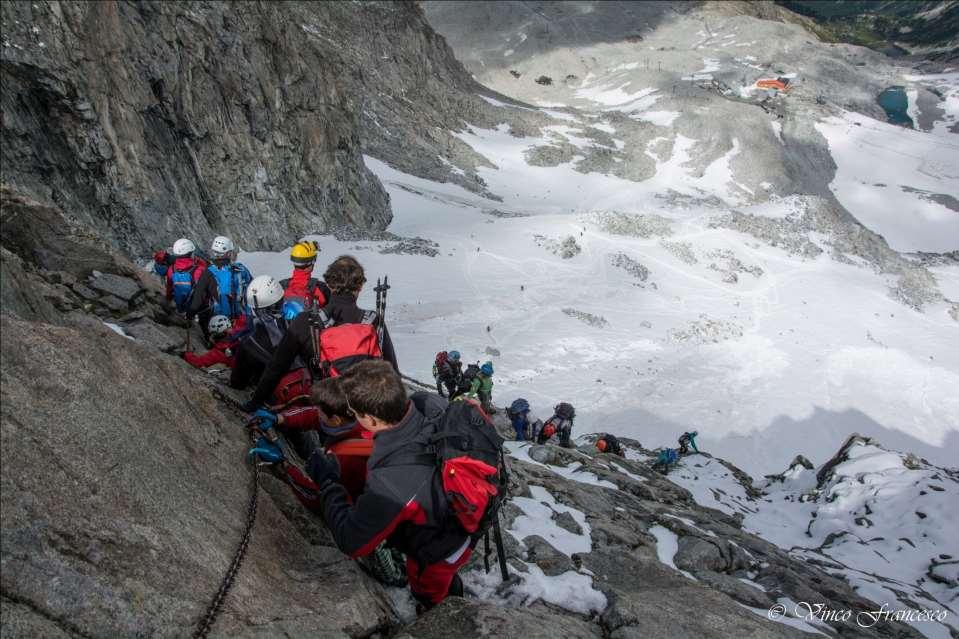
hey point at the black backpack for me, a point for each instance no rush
(468, 455)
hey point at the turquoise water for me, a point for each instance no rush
(896, 104)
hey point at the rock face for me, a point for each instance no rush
(148, 122)
(124, 496)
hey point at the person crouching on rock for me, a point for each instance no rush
(685, 441)
(610, 444)
(222, 351)
(561, 424)
(518, 413)
(400, 502)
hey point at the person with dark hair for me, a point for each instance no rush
(401, 502)
(345, 278)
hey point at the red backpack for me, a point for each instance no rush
(441, 358)
(339, 346)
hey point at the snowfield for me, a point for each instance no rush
(787, 357)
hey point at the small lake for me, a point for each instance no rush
(896, 105)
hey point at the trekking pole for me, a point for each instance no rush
(500, 550)
(189, 348)
(381, 290)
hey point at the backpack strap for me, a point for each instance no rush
(369, 318)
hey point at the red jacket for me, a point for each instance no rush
(216, 355)
(182, 264)
(299, 286)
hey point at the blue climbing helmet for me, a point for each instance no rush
(454, 355)
(519, 406)
(487, 369)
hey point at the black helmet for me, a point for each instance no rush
(565, 410)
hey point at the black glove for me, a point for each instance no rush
(323, 469)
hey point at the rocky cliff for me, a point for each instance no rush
(149, 121)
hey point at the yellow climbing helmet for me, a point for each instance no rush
(304, 252)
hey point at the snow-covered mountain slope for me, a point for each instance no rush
(879, 520)
(766, 328)
(882, 520)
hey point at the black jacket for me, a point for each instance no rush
(298, 342)
(256, 351)
(402, 502)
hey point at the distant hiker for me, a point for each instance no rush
(481, 387)
(332, 338)
(222, 351)
(447, 370)
(610, 444)
(561, 424)
(407, 500)
(257, 348)
(302, 291)
(183, 275)
(685, 441)
(667, 457)
(518, 413)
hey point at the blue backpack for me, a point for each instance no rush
(231, 283)
(183, 287)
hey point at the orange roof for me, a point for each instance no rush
(772, 84)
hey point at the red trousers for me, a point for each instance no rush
(433, 583)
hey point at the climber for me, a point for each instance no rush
(256, 350)
(183, 275)
(447, 371)
(221, 289)
(610, 444)
(686, 440)
(518, 413)
(301, 291)
(222, 351)
(481, 387)
(400, 503)
(561, 423)
(344, 340)
(667, 457)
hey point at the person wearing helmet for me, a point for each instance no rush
(686, 440)
(221, 289)
(302, 291)
(482, 387)
(518, 413)
(447, 371)
(345, 277)
(183, 274)
(223, 345)
(610, 444)
(264, 296)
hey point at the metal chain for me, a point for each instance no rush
(211, 613)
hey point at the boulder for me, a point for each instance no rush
(735, 588)
(551, 561)
(698, 554)
(123, 288)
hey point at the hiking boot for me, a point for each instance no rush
(456, 587)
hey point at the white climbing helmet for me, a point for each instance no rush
(263, 291)
(220, 325)
(183, 247)
(221, 246)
